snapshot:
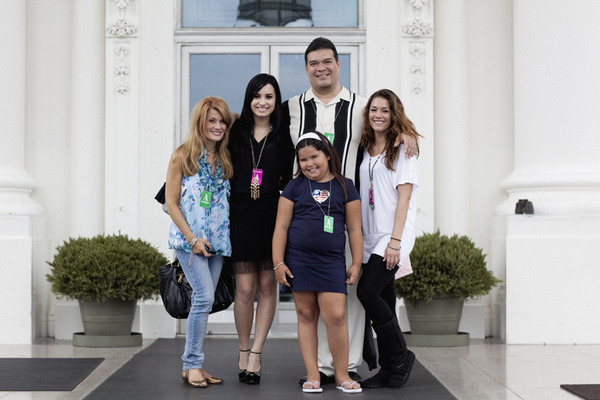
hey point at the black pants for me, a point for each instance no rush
(377, 294)
(376, 290)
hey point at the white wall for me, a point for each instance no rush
(49, 31)
(156, 98)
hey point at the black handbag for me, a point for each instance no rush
(225, 291)
(160, 195)
(176, 292)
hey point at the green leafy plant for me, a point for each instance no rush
(445, 265)
(105, 267)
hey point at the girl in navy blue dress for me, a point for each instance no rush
(314, 212)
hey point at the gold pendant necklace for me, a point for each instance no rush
(256, 180)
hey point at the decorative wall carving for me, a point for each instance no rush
(122, 69)
(417, 68)
(417, 30)
(417, 27)
(121, 30)
(121, 26)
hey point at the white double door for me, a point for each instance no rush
(224, 71)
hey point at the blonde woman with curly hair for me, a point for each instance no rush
(197, 200)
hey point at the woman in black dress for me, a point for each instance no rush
(262, 154)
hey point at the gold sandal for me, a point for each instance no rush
(202, 383)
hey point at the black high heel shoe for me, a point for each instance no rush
(253, 378)
(242, 373)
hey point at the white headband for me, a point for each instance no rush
(309, 135)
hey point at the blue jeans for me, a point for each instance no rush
(202, 274)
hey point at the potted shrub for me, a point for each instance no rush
(446, 271)
(107, 274)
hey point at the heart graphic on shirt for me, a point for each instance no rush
(320, 195)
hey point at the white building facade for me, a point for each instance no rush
(95, 97)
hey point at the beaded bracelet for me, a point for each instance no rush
(393, 248)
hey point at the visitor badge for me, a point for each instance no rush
(327, 224)
(256, 177)
(205, 198)
(329, 136)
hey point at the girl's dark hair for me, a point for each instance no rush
(399, 124)
(334, 163)
(257, 83)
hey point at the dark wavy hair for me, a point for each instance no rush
(334, 163)
(399, 124)
(257, 83)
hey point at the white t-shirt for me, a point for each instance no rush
(377, 223)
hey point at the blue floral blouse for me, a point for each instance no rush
(210, 223)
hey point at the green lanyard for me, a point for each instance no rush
(327, 220)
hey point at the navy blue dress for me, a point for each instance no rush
(317, 258)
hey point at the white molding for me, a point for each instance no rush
(417, 92)
(121, 135)
(274, 36)
(118, 12)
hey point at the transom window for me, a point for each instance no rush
(269, 13)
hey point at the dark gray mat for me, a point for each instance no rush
(154, 373)
(587, 392)
(44, 374)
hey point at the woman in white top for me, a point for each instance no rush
(388, 181)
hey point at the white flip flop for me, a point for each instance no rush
(314, 389)
(346, 387)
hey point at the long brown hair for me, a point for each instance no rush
(399, 124)
(195, 142)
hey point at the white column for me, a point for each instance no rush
(557, 124)
(552, 256)
(451, 118)
(490, 151)
(87, 119)
(16, 206)
(87, 158)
